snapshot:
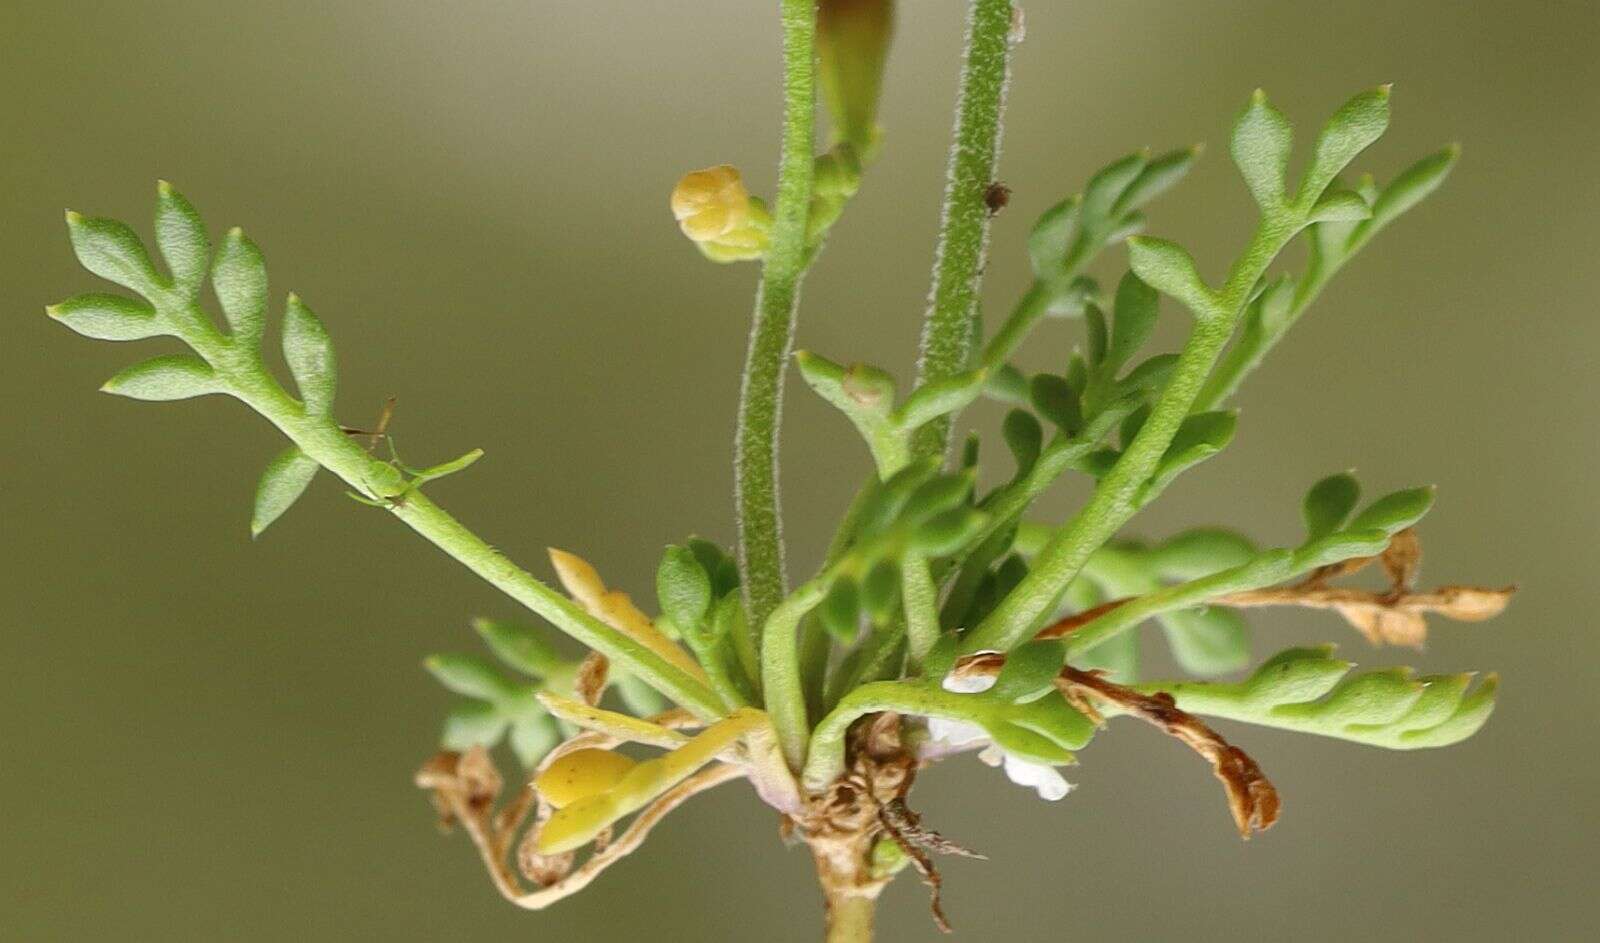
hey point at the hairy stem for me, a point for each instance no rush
(948, 326)
(772, 333)
(1022, 612)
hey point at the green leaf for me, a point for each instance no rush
(890, 498)
(1260, 149)
(112, 251)
(948, 532)
(282, 482)
(1200, 552)
(1030, 671)
(1306, 690)
(1395, 512)
(181, 238)
(1052, 236)
(1157, 177)
(718, 563)
(1055, 399)
(1096, 335)
(1341, 546)
(521, 647)
(534, 736)
(1201, 436)
(1108, 185)
(471, 724)
(1133, 319)
(1328, 504)
(1207, 641)
(469, 675)
(239, 276)
(171, 377)
(683, 587)
(1149, 375)
(937, 496)
(1408, 189)
(939, 398)
(840, 611)
(880, 591)
(309, 352)
(1007, 384)
(1024, 437)
(109, 317)
(1354, 127)
(1339, 206)
(1168, 268)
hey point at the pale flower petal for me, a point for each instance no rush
(1050, 785)
(955, 733)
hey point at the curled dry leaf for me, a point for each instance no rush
(1392, 617)
(1251, 796)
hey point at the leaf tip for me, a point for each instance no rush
(74, 218)
(1383, 91)
(1452, 150)
(164, 187)
(1258, 97)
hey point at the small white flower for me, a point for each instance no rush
(1049, 784)
(1041, 778)
(955, 734)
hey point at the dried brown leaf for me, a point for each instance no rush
(1402, 558)
(1252, 800)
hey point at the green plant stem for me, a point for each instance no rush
(948, 327)
(1265, 570)
(772, 333)
(1251, 348)
(781, 685)
(825, 759)
(322, 440)
(1020, 614)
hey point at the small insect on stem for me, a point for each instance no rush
(377, 433)
(996, 196)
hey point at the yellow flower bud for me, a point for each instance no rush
(714, 209)
(581, 774)
(711, 203)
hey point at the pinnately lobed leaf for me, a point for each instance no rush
(108, 317)
(1307, 690)
(1170, 269)
(239, 276)
(1328, 504)
(1260, 148)
(309, 352)
(111, 250)
(282, 483)
(1352, 129)
(181, 237)
(174, 376)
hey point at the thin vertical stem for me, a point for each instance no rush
(949, 326)
(772, 333)
(850, 918)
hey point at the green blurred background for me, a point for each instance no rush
(207, 738)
